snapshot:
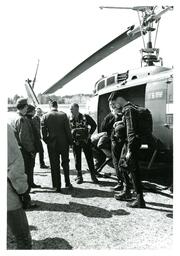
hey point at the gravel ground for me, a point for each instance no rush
(88, 217)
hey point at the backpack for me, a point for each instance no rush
(145, 122)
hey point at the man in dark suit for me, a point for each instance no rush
(57, 135)
(37, 123)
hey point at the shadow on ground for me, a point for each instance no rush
(51, 244)
(169, 215)
(168, 206)
(47, 243)
(86, 210)
(81, 192)
(155, 188)
(87, 193)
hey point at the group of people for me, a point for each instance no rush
(121, 138)
(119, 129)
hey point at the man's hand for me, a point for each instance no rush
(128, 155)
(89, 136)
(117, 123)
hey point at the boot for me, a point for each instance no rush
(69, 186)
(138, 202)
(123, 196)
(118, 187)
(94, 179)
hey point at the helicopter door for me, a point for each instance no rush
(103, 109)
(135, 94)
(159, 101)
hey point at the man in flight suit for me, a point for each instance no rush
(80, 122)
(130, 118)
(57, 135)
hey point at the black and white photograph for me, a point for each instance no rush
(88, 92)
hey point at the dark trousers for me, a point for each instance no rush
(132, 165)
(99, 157)
(29, 163)
(54, 157)
(86, 147)
(41, 154)
(124, 169)
(116, 149)
(18, 223)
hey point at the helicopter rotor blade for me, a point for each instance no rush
(128, 36)
(34, 80)
(136, 8)
(30, 92)
(115, 7)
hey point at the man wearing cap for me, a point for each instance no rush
(57, 135)
(26, 141)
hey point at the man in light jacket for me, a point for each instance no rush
(17, 185)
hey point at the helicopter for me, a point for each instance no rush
(150, 86)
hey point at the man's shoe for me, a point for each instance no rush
(124, 196)
(35, 186)
(79, 180)
(44, 166)
(58, 190)
(138, 203)
(70, 186)
(118, 187)
(94, 179)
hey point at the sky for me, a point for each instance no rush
(61, 34)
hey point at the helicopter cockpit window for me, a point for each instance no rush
(101, 85)
(110, 80)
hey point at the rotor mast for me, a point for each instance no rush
(147, 17)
